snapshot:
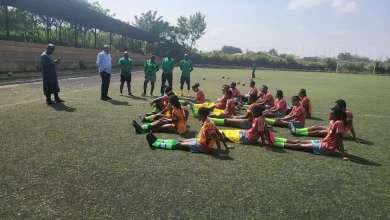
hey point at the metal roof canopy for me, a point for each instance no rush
(74, 12)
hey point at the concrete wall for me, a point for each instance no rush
(19, 56)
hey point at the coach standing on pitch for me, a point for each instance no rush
(104, 64)
(50, 81)
(186, 69)
(125, 64)
(167, 66)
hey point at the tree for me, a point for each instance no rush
(197, 27)
(230, 50)
(262, 53)
(189, 30)
(155, 25)
(344, 56)
(331, 64)
(273, 52)
(182, 30)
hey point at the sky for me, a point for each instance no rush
(299, 27)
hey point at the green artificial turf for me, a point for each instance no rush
(83, 160)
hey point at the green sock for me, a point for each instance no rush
(188, 92)
(269, 121)
(302, 131)
(194, 112)
(155, 110)
(146, 127)
(218, 121)
(149, 118)
(279, 144)
(165, 144)
(181, 102)
(282, 140)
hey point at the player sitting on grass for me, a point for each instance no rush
(207, 137)
(326, 146)
(176, 124)
(166, 112)
(200, 97)
(268, 100)
(297, 116)
(161, 102)
(252, 89)
(229, 109)
(249, 137)
(243, 121)
(280, 108)
(215, 108)
(322, 131)
(236, 92)
(305, 102)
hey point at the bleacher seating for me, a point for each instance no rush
(19, 56)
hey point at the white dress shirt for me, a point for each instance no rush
(104, 62)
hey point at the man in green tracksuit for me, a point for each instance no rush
(150, 69)
(186, 69)
(167, 66)
(253, 70)
(125, 64)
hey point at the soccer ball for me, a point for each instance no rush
(204, 78)
(238, 82)
(243, 84)
(9, 74)
(228, 78)
(223, 77)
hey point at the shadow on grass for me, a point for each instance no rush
(216, 156)
(276, 149)
(360, 141)
(62, 107)
(116, 102)
(315, 119)
(137, 98)
(189, 134)
(358, 160)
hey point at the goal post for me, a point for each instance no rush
(356, 66)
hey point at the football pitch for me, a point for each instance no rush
(83, 160)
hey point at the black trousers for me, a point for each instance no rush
(166, 77)
(106, 77)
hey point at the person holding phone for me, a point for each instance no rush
(50, 81)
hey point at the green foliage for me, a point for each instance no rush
(353, 58)
(83, 65)
(230, 50)
(189, 30)
(331, 64)
(273, 52)
(150, 22)
(215, 58)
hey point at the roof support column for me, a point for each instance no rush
(47, 30)
(110, 40)
(123, 46)
(75, 35)
(132, 44)
(95, 38)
